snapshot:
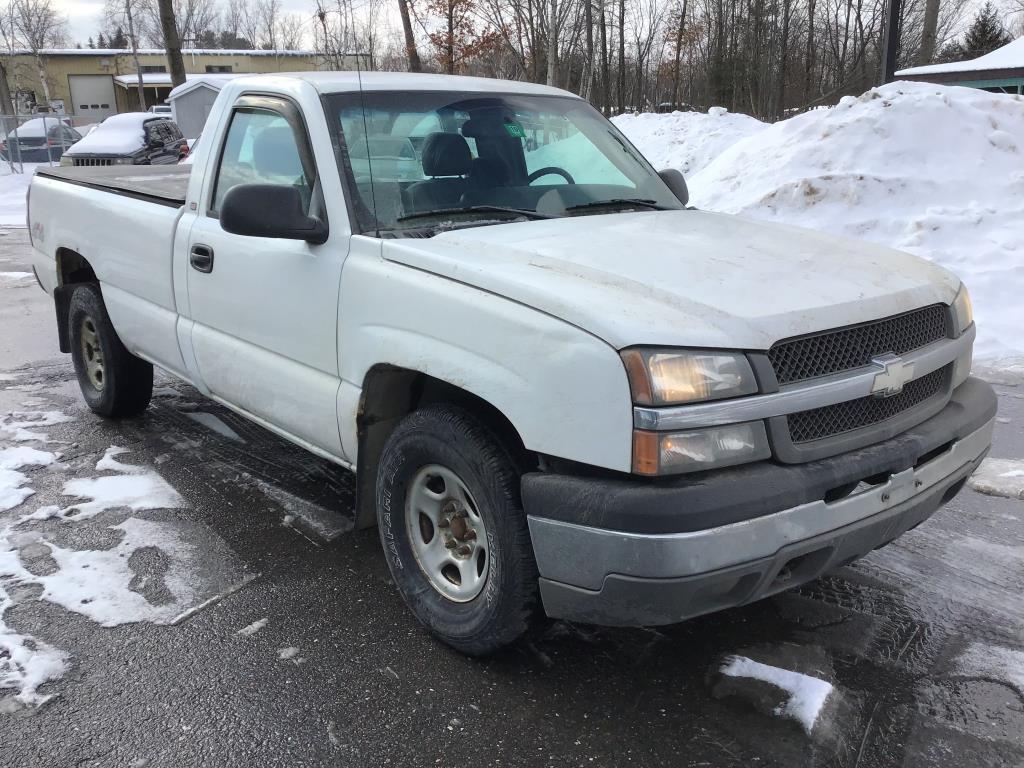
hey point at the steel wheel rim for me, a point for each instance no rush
(447, 533)
(92, 353)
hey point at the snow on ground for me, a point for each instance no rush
(13, 188)
(687, 141)
(100, 584)
(993, 662)
(21, 425)
(807, 695)
(937, 171)
(137, 489)
(999, 477)
(251, 629)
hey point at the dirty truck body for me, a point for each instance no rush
(563, 390)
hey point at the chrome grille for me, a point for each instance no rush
(847, 348)
(836, 419)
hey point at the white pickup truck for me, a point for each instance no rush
(563, 390)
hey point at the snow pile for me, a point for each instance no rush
(807, 695)
(13, 188)
(117, 135)
(687, 141)
(937, 171)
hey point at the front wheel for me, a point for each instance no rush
(114, 382)
(454, 531)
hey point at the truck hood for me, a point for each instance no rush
(682, 278)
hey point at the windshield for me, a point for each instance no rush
(422, 162)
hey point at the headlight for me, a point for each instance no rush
(665, 453)
(963, 310)
(66, 160)
(123, 161)
(672, 377)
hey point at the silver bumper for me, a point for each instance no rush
(582, 559)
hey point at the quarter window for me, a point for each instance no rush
(261, 148)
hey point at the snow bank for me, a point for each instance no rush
(807, 694)
(937, 171)
(13, 188)
(687, 141)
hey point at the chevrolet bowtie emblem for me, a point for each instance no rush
(893, 377)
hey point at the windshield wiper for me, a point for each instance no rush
(476, 209)
(619, 201)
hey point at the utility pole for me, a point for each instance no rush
(172, 43)
(891, 42)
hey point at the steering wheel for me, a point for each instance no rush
(550, 169)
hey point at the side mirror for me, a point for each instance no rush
(675, 181)
(270, 210)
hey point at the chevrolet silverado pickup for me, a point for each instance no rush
(563, 390)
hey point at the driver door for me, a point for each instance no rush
(265, 310)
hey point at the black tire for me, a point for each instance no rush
(122, 385)
(508, 604)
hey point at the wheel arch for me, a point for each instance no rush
(72, 269)
(389, 394)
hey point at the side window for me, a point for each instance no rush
(260, 148)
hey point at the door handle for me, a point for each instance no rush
(201, 258)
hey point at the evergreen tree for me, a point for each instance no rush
(101, 41)
(91, 44)
(119, 40)
(986, 33)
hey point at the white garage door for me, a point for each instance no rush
(92, 96)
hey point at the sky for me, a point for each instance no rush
(85, 16)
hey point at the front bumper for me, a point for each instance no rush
(701, 544)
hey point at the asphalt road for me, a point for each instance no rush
(923, 641)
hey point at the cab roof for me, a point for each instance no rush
(347, 81)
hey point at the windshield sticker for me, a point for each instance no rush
(515, 130)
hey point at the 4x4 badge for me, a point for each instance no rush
(894, 376)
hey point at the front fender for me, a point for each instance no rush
(563, 389)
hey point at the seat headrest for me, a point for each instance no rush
(445, 154)
(274, 152)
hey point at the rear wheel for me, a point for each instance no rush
(454, 531)
(114, 382)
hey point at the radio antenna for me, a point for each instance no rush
(366, 134)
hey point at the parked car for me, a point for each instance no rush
(131, 138)
(39, 140)
(164, 110)
(562, 388)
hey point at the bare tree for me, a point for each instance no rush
(123, 13)
(37, 25)
(269, 15)
(411, 53)
(926, 52)
(172, 42)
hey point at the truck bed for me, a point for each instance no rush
(162, 184)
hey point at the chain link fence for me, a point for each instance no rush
(30, 140)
